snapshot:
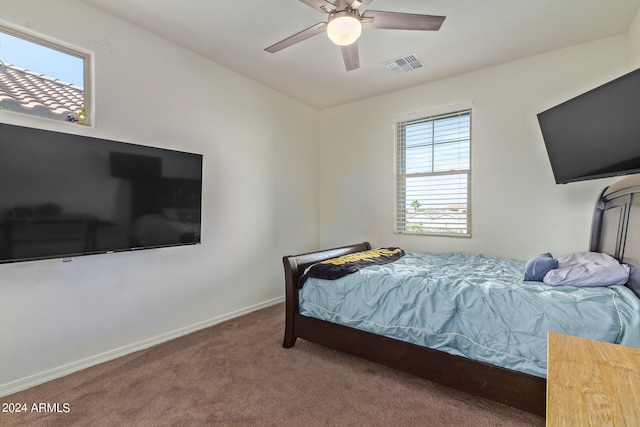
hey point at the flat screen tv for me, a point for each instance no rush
(63, 195)
(596, 134)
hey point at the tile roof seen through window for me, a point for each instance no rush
(36, 94)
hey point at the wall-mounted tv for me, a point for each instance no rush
(596, 134)
(64, 195)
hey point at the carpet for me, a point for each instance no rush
(236, 373)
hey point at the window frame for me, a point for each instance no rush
(67, 49)
(400, 175)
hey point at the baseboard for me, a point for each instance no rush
(61, 371)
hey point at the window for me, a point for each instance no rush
(42, 78)
(433, 169)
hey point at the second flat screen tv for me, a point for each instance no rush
(64, 195)
(596, 134)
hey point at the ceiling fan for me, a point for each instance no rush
(346, 20)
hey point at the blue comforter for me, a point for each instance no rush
(473, 306)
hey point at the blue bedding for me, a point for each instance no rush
(473, 306)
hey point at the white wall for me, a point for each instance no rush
(517, 209)
(634, 42)
(259, 202)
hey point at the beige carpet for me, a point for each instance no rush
(237, 374)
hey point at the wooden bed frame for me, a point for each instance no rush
(615, 230)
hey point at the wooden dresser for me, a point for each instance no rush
(592, 383)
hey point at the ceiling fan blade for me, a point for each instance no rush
(402, 21)
(350, 56)
(359, 4)
(298, 37)
(321, 5)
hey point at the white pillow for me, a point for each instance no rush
(584, 269)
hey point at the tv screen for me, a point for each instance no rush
(65, 195)
(596, 134)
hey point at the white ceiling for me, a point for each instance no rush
(476, 34)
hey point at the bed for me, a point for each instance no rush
(615, 232)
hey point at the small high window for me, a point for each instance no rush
(433, 169)
(43, 78)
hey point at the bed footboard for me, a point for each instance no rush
(294, 266)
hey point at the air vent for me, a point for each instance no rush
(404, 64)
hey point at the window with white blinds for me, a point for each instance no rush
(433, 169)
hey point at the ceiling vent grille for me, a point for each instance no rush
(404, 64)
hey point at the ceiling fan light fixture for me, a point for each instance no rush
(344, 27)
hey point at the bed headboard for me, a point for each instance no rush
(616, 225)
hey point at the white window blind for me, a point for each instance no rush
(433, 168)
